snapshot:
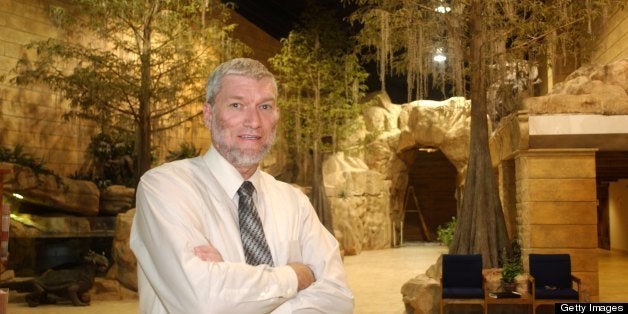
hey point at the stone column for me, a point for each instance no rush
(508, 195)
(556, 209)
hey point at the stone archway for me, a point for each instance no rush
(367, 183)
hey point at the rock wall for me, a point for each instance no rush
(367, 181)
(64, 194)
(124, 266)
(359, 198)
(597, 89)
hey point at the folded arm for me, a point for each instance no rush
(320, 252)
(304, 274)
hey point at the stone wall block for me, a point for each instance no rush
(549, 213)
(561, 190)
(557, 167)
(582, 260)
(563, 236)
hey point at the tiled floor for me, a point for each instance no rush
(376, 278)
(613, 273)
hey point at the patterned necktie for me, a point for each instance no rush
(256, 248)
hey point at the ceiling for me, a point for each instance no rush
(276, 17)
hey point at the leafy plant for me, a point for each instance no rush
(18, 156)
(512, 266)
(445, 234)
(112, 159)
(511, 270)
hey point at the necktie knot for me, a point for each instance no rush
(246, 189)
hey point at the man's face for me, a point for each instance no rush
(243, 119)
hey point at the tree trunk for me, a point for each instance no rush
(143, 132)
(481, 226)
(319, 199)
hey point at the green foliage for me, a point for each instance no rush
(110, 146)
(512, 265)
(511, 270)
(143, 65)
(321, 83)
(445, 234)
(18, 156)
(186, 150)
(403, 36)
(112, 162)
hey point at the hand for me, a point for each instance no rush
(305, 276)
(208, 253)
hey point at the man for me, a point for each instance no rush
(190, 238)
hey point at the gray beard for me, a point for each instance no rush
(233, 154)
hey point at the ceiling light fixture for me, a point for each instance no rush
(439, 56)
(443, 8)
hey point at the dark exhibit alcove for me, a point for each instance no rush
(429, 200)
(43, 238)
(610, 166)
(33, 256)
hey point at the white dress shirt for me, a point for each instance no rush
(193, 202)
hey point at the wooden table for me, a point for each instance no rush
(524, 299)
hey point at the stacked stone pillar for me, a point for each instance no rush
(556, 206)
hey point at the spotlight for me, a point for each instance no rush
(439, 56)
(442, 9)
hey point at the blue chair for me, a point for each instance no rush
(462, 281)
(552, 278)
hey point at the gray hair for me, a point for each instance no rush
(239, 66)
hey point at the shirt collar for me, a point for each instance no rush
(226, 174)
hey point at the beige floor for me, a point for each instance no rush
(613, 273)
(376, 278)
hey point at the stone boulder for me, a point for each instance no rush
(57, 193)
(116, 199)
(35, 226)
(439, 124)
(421, 295)
(124, 267)
(593, 89)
